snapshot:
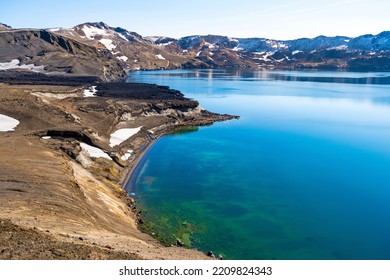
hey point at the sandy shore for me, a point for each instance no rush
(135, 163)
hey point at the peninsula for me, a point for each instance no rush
(71, 144)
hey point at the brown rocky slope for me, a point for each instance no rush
(58, 54)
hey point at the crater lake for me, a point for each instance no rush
(303, 174)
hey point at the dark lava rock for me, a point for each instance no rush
(138, 91)
(32, 78)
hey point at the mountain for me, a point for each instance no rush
(97, 49)
(45, 51)
(367, 52)
(131, 49)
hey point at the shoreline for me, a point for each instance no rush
(129, 172)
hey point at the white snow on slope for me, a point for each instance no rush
(14, 64)
(263, 55)
(210, 46)
(123, 58)
(121, 135)
(276, 45)
(94, 151)
(122, 36)
(127, 155)
(165, 44)
(295, 52)
(7, 123)
(159, 56)
(90, 92)
(92, 31)
(108, 44)
(341, 47)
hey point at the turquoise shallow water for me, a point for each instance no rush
(304, 173)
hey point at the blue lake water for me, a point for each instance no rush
(303, 174)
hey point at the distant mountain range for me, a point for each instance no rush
(104, 51)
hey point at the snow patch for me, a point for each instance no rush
(127, 155)
(295, 52)
(122, 135)
(283, 46)
(123, 58)
(14, 64)
(8, 123)
(159, 56)
(90, 92)
(153, 38)
(341, 47)
(165, 44)
(122, 36)
(91, 31)
(46, 137)
(263, 55)
(94, 152)
(210, 46)
(108, 44)
(276, 45)
(198, 54)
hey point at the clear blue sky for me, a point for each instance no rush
(277, 19)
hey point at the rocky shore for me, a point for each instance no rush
(60, 186)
